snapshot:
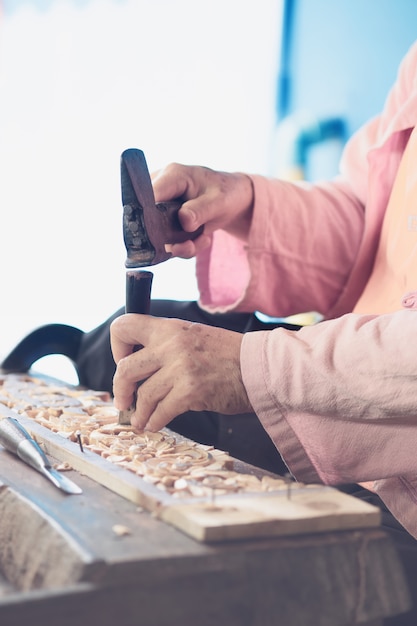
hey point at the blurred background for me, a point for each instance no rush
(273, 87)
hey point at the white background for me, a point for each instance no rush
(184, 80)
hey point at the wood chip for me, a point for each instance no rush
(120, 530)
(63, 467)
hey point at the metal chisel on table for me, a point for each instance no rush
(147, 228)
(16, 439)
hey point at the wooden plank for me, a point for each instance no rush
(236, 516)
(346, 577)
(308, 510)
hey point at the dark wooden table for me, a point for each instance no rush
(62, 563)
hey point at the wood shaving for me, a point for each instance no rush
(63, 467)
(120, 530)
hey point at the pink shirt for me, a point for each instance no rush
(395, 268)
(338, 399)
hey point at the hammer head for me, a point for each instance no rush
(147, 226)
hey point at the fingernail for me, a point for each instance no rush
(191, 218)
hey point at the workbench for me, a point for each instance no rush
(155, 575)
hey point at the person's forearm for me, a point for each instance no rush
(338, 399)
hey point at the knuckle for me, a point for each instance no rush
(123, 369)
(173, 169)
(114, 326)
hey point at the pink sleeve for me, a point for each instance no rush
(311, 246)
(302, 244)
(338, 398)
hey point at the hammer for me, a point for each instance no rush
(147, 228)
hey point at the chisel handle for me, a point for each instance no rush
(138, 300)
(138, 291)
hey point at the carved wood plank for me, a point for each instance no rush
(236, 516)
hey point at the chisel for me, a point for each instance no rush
(16, 439)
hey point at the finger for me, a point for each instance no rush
(150, 394)
(189, 249)
(160, 413)
(124, 386)
(164, 413)
(126, 332)
(199, 211)
(189, 184)
(125, 382)
(163, 396)
(169, 183)
(131, 370)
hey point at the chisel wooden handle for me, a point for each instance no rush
(138, 291)
(138, 300)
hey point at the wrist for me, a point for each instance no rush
(244, 201)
